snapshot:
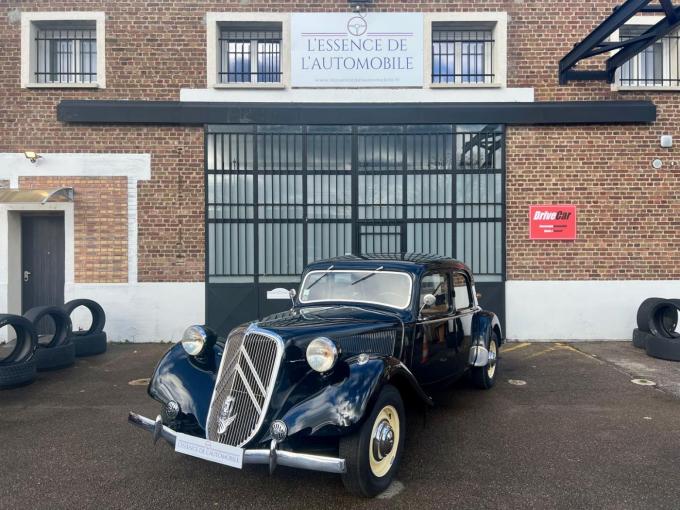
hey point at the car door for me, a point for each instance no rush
(461, 290)
(435, 331)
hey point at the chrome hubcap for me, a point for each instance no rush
(383, 440)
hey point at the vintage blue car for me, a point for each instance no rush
(323, 385)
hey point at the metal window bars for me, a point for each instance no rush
(279, 197)
(461, 56)
(658, 65)
(65, 55)
(250, 53)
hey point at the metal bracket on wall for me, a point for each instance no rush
(596, 43)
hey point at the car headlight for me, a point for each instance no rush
(322, 354)
(194, 339)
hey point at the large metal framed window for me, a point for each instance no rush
(279, 197)
(462, 54)
(65, 52)
(656, 66)
(250, 53)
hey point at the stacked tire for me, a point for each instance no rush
(657, 331)
(17, 363)
(55, 349)
(92, 340)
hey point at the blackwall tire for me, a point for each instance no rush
(640, 338)
(26, 341)
(360, 478)
(663, 348)
(97, 312)
(52, 358)
(62, 323)
(89, 345)
(663, 319)
(18, 374)
(644, 312)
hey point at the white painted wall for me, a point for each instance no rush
(579, 310)
(144, 312)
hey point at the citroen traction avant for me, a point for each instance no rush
(322, 386)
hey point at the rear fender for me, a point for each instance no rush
(484, 324)
(339, 408)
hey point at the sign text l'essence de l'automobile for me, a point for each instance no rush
(357, 50)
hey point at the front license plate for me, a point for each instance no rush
(209, 450)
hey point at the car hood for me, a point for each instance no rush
(313, 321)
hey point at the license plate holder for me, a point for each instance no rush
(209, 450)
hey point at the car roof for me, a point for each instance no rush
(411, 262)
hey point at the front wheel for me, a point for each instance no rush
(372, 455)
(485, 377)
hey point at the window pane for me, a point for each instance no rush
(436, 284)
(250, 52)
(65, 54)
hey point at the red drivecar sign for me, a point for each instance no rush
(552, 222)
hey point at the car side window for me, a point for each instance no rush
(436, 284)
(462, 291)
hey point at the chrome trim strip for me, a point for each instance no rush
(245, 356)
(249, 390)
(283, 457)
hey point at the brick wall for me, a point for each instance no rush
(100, 224)
(155, 48)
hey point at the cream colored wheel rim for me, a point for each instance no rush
(493, 356)
(388, 417)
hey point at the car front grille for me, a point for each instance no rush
(246, 379)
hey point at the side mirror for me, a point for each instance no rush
(428, 301)
(292, 293)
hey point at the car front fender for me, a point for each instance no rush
(484, 323)
(180, 378)
(339, 407)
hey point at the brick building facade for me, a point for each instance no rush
(138, 242)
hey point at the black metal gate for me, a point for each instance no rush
(280, 196)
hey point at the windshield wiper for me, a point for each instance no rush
(367, 276)
(320, 278)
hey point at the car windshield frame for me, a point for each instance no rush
(365, 272)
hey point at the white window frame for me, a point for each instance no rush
(646, 21)
(499, 55)
(213, 22)
(29, 58)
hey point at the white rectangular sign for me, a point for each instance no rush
(209, 450)
(350, 49)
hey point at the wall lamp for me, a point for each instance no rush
(32, 156)
(356, 5)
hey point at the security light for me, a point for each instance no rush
(32, 156)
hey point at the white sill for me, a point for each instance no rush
(466, 85)
(251, 85)
(645, 88)
(92, 85)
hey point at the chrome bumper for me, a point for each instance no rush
(272, 456)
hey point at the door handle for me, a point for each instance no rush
(27, 274)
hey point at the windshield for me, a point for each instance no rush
(386, 288)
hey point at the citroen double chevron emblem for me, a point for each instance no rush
(226, 418)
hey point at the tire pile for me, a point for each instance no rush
(33, 352)
(657, 331)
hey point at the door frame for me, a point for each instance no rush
(10, 260)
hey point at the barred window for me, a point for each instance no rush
(656, 66)
(250, 53)
(65, 52)
(461, 55)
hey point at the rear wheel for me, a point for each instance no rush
(372, 455)
(485, 377)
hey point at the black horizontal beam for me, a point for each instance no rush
(199, 113)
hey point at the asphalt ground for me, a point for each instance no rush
(578, 434)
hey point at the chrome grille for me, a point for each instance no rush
(246, 380)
